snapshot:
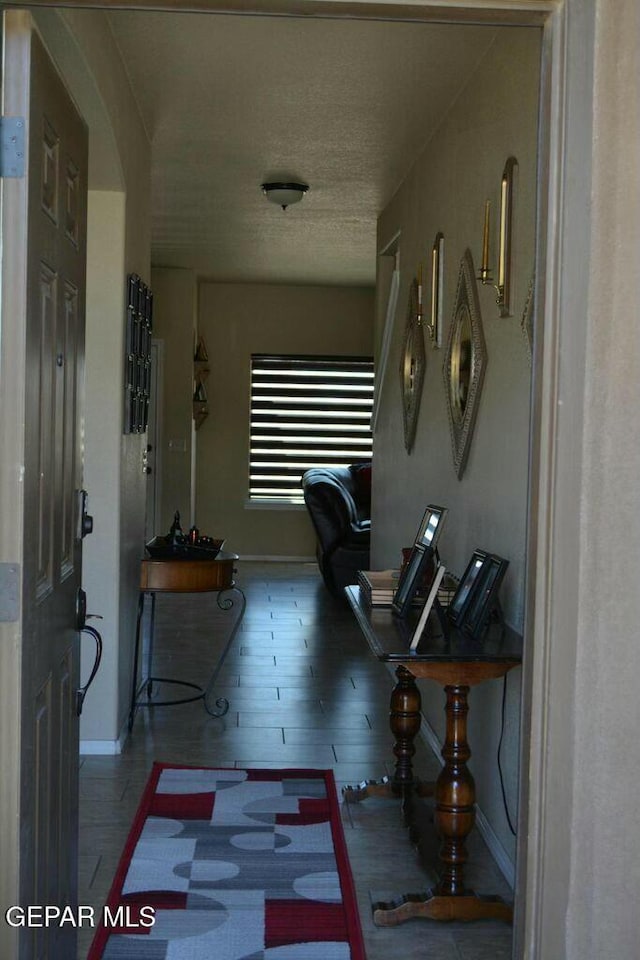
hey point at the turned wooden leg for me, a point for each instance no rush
(404, 721)
(455, 794)
(454, 818)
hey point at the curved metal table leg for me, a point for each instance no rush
(225, 602)
(135, 690)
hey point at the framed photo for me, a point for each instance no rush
(426, 610)
(471, 579)
(485, 597)
(421, 554)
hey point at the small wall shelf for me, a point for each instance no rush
(200, 374)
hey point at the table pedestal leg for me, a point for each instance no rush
(454, 818)
(404, 720)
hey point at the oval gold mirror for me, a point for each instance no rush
(412, 365)
(461, 360)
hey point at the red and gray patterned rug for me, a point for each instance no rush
(233, 865)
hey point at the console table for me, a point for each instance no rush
(457, 663)
(183, 576)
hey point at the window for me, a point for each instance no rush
(306, 412)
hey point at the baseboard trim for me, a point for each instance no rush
(488, 834)
(100, 748)
(274, 559)
(505, 864)
(106, 748)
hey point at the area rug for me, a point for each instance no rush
(233, 865)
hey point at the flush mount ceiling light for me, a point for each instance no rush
(284, 194)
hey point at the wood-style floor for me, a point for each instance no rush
(303, 691)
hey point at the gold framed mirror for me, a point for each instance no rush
(464, 364)
(412, 366)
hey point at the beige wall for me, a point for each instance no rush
(495, 117)
(602, 915)
(174, 319)
(237, 320)
(103, 425)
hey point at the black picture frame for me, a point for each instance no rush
(430, 526)
(429, 605)
(469, 584)
(422, 553)
(484, 599)
(138, 333)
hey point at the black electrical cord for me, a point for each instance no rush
(502, 787)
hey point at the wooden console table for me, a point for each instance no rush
(457, 663)
(183, 576)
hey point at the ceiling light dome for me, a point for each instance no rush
(284, 194)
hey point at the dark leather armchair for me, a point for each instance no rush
(339, 503)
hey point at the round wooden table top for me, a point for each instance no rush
(188, 576)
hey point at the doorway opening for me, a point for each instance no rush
(530, 504)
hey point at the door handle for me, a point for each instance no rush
(82, 691)
(81, 624)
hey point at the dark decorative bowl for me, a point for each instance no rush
(205, 548)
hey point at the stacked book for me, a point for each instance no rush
(377, 587)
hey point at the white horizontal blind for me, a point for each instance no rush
(306, 412)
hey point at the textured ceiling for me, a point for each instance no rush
(231, 101)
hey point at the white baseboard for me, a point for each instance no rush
(503, 860)
(100, 748)
(106, 748)
(488, 834)
(274, 559)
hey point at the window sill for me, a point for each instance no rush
(267, 504)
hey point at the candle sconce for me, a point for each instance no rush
(503, 287)
(434, 327)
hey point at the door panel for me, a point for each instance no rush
(51, 313)
(42, 422)
(67, 347)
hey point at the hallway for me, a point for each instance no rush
(303, 691)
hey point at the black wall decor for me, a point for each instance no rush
(137, 374)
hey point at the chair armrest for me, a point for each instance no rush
(359, 535)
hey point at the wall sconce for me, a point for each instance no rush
(505, 240)
(434, 327)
